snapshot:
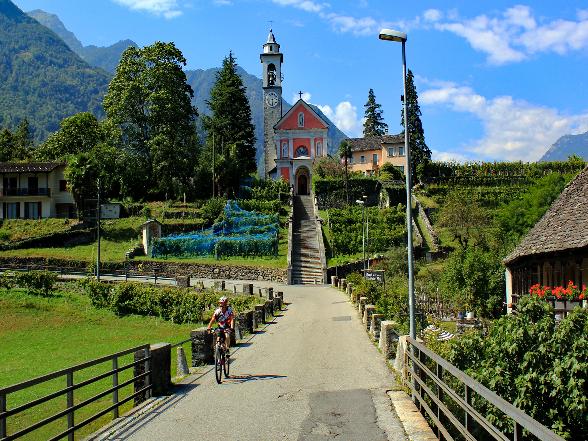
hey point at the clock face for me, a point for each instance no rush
(271, 98)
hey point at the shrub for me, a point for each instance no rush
(36, 282)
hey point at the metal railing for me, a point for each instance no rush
(40, 191)
(424, 373)
(69, 392)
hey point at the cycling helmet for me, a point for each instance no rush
(223, 300)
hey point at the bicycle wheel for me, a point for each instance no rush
(226, 363)
(218, 364)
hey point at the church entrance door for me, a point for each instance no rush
(302, 181)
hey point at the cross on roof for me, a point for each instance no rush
(300, 93)
(271, 22)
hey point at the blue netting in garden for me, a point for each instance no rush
(241, 233)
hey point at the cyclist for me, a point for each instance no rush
(224, 316)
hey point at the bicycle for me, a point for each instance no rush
(221, 361)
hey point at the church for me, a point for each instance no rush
(292, 141)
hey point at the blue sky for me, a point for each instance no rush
(496, 80)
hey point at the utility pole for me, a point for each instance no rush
(98, 234)
(213, 155)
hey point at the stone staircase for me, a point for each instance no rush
(306, 255)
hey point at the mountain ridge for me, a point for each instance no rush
(567, 146)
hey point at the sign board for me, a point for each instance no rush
(110, 211)
(375, 275)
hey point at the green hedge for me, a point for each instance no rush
(330, 192)
(179, 305)
(35, 282)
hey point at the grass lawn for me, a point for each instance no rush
(20, 229)
(44, 334)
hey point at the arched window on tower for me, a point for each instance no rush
(271, 74)
(285, 150)
(319, 149)
(301, 119)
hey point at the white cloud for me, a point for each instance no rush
(513, 129)
(166, 8)
(432, 15)
(448, 156)
(345, 117)
(516, 34)
(305, 5)
(222, 2)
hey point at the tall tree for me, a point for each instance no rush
(345, 153)
(150, 100)
(230, 132)
(419, 151)
(374, 124)
(17, 145)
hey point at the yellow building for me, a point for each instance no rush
(369, 154)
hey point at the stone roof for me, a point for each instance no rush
(563, 227)
(374, 142)
(28, 167)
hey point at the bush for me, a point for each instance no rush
(35, 282)
(330, 192)
(179, 305)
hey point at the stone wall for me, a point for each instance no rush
(353, 267)
(162, 268)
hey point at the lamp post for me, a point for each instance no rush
(362, 203)
(391, 35)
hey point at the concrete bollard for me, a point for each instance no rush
(248, 288)
(160, 366)
(349, 290)
(260, 314)
(254, 320)
(181, 362)
(361, 305)
(202, 341)
(240, 325)
(269, 311)
(219, 285)
(334, 281)
(375, 325)
(280, 294)
(270, 293)
(343, 284)
(249, 318)
(276, 304)
(388, 338)
(400, 351)
(367, 316)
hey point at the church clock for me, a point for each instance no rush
(271, 99)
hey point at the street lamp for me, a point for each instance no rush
(362, 203)
(392, 35)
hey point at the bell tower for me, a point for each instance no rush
(272, 60)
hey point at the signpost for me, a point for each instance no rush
(375, 275)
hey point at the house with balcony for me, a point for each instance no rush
(370, 153)
(34, 190)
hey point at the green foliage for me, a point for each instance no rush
(41, 78)
(14, 230)
(374, 124)
(149, 99)
(330, 191)
(464, 218)
(328, 167)
(16, 146)
(474, 278)
(537, 366)
(35, 282)
(419, 152)
(389, 172)
(178, 305)
(230, 131)
(519, 215)
(386, 229)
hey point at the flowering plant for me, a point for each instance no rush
(569, 292)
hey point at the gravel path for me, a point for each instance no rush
(313, 374)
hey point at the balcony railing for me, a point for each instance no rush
(26, 191)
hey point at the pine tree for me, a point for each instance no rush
(374, 124)
(419, 152)
(230, 131)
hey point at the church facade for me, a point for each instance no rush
(294, 140)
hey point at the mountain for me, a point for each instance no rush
(106, 58)
(41, 78)
(567, 146)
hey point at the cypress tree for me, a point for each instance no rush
(420, 153)
(230, 129)
(374, 124)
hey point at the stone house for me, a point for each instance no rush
(34, 190)
(369, 154)
(555, 250)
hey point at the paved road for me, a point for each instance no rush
(311, 375)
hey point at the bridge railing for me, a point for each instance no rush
(140, 378)
(451, 401)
